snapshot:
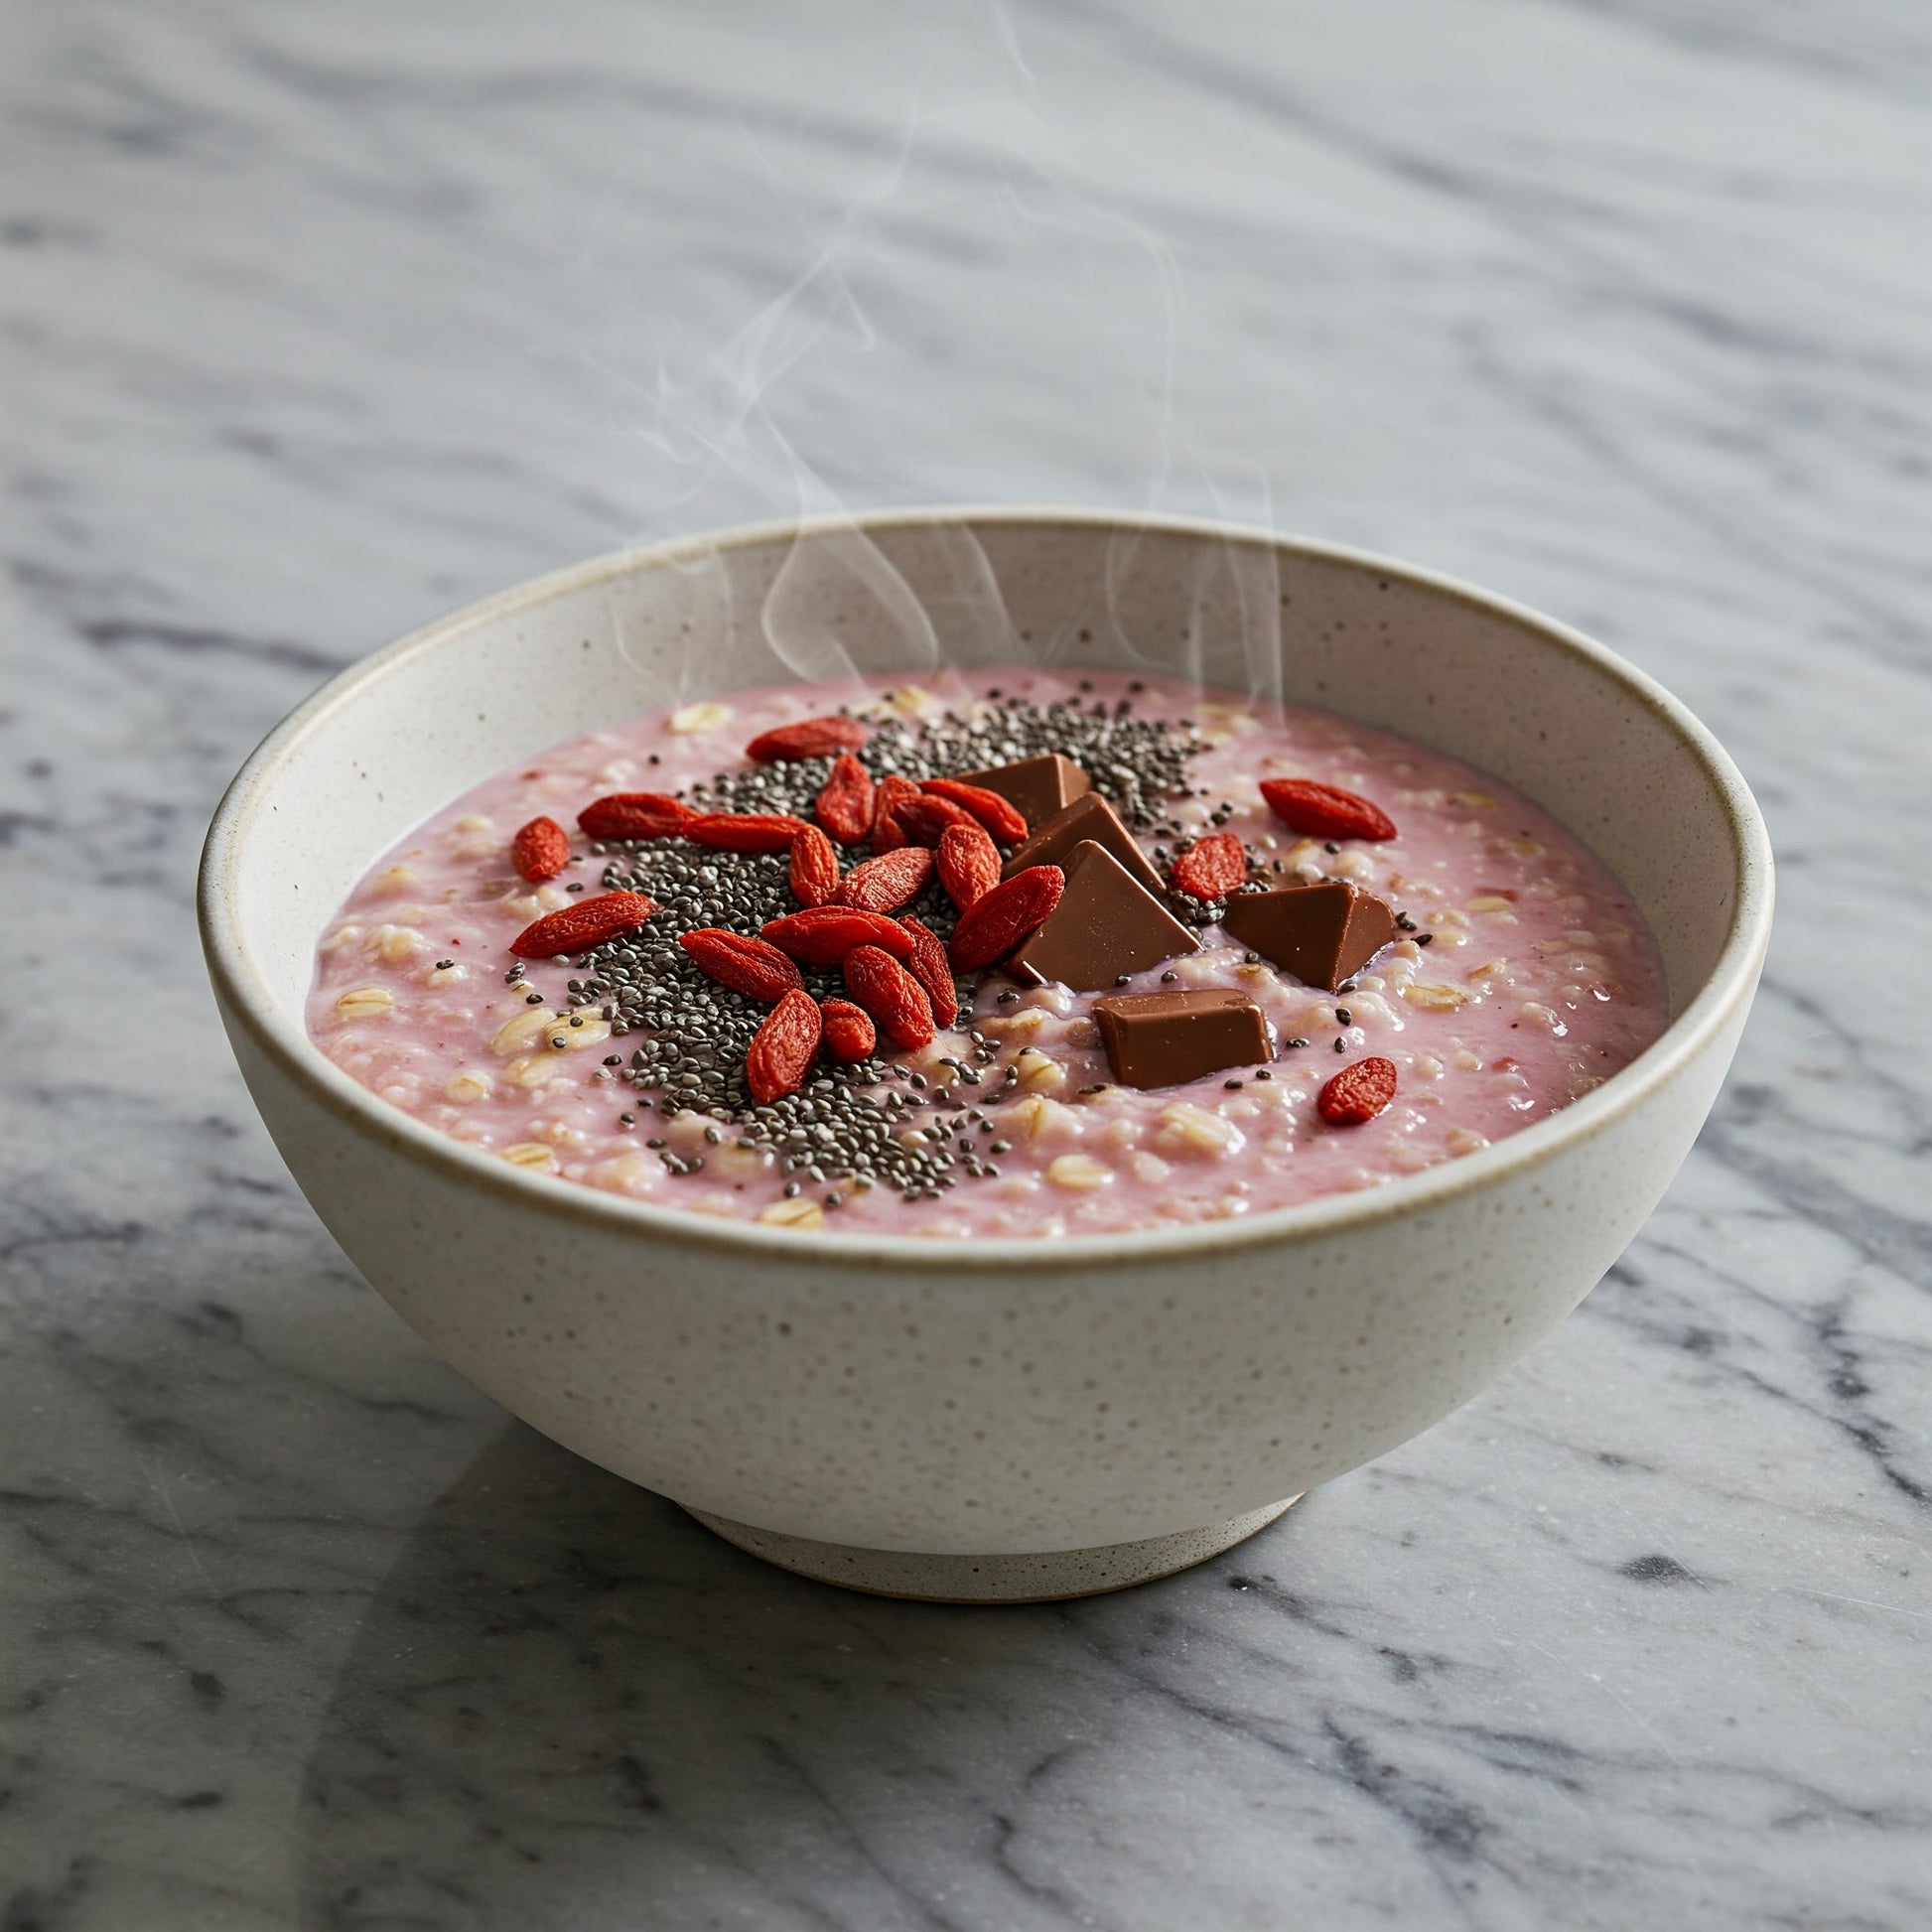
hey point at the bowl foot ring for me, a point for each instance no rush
(1042, 1576)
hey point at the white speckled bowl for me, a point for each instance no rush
(1007, 1419)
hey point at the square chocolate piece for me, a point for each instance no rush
(1036, 789)
(1092, 818)
(1105, 925)
(1164, 1040)
(1323, 934)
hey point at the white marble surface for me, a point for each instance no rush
(318, 319)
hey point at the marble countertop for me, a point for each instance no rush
(316, 321)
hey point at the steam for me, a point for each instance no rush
(809, 403)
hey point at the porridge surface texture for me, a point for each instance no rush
(1520, 977)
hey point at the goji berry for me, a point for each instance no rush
(1005, 917)
(540, 849)
(1211, 868)
(1319, 811)
(754, 967)
(1358, 1092)
(822, 935)
(1001, 816)
(848, 1032)
(575, 928)
(928, 965)
(892, 792)
(814, 867)
(635, 815)
(891, 880)
(844, 808)
(969, 864)
(743, 831)
(890, 995)
(923, 817)
(783, 1048)
(809, 738)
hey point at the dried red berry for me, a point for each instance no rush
(929, 966)
(848, 1032)
(891, 880)
(844, 808)
(892, 792)
(923, 818)
(574, 928)
(890, 995)
(783, 1048)
(822, 935)
(1005, 917)
(540, 849)
(1319, 811)
(635, 815)
(969, 864)
(754, 967)
(743, 831)
(814, 867)
(809, 738)
(1211, 868)
(1357, 1093)
(1001, 817)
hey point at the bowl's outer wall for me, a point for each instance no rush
(1002, 1412)
(824, 1390)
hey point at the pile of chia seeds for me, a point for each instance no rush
(848, 1125)
(1138, 764)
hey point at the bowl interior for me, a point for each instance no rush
(371, 757)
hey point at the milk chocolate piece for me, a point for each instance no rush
(1323, 934)
(1162, 1039)
(1036, 788)
(1092, 818)
(1104, 925)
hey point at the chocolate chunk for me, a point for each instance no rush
(1105, 925)
(1161, 1039)
(1036, 788)
(1320, 933)
(1092, 818)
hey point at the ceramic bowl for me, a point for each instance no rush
(998, 1419)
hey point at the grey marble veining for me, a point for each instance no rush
(314, 321)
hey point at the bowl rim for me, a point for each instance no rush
(243, 993)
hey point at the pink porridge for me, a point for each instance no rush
(1370, 959)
